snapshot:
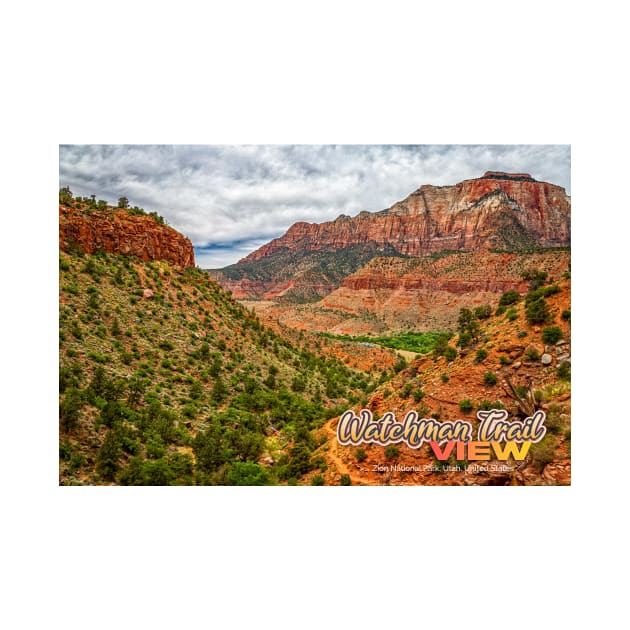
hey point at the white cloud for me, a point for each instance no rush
(252, 193)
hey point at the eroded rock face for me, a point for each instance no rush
(427, 293)
(117, 232)
(496, 211)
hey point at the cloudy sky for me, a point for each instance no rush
(229, 200)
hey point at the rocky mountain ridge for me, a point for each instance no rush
(498, 212)
(435, 218)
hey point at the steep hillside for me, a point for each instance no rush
(499, 211)
(525, 342)
(165, 379)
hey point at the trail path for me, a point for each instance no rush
(333, 454)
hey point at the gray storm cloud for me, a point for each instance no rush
(230, 199)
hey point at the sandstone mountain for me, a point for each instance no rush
(498, 212)
(118, 231)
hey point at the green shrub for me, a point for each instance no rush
(481, 355)
(504, 360)
(108, 455)
(444, 378)
(98, 358)
(318, 480)
(157, 473)
(554, 423)
(113, 413)
(360, 455)
(490, 378)
(566, 315)
(65, 195)
(551, 334)
(93, 302)
(450, 353)
(392, 452)
(550, 290)
(465, 405)
(65, 450)
(189, 411)
(219, 391)
(522, 334)
(130, 445)
(536, 278)
(115, 330)
(196, 390)
(564, 371)
(249, 474)
(70, 408)
(532, 355)
(543, 452)
(345, 480)
(155, 446)
(440, 344)
(486, 405)
(483, 312)
(467, 323)
(511, 314)
(500, 310)
(537, 311)
(509, 297)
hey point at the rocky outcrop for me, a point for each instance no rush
(497, 211)
(116, 231)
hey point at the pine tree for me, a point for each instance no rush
(107, 459)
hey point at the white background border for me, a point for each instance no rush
(396, 72)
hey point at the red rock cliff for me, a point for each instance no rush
(471, 215)
(118, 232)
